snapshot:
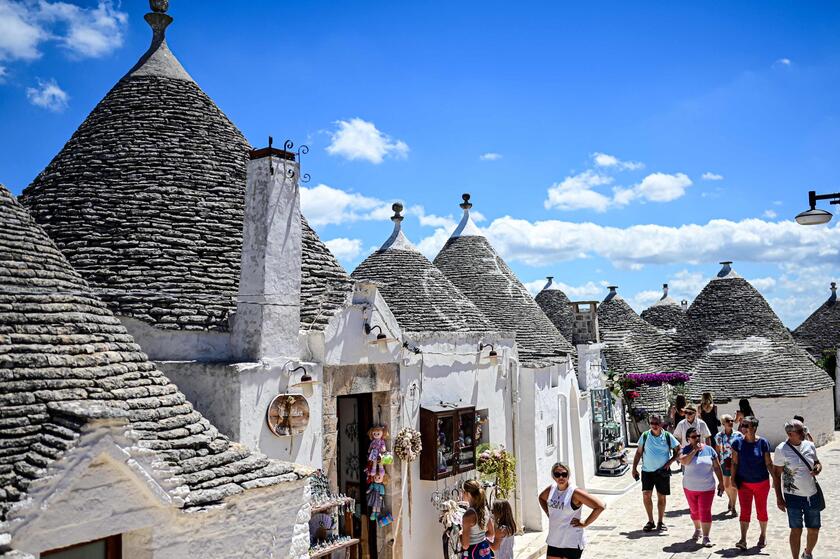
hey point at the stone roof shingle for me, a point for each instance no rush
(820, 332)
(62, 352)
(146, 201)
(558, 308)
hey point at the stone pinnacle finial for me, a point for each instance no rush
(466, 203)
(833, 297)
(724, 271)
(664, 291)
(549, 281)
(159, 6)
(612, 288)
(398, 208)
(833, 286)
(613, 293)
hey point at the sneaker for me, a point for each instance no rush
(696, 536)
(661, 527)
(649, 527)
(806, 555)
(707, 542)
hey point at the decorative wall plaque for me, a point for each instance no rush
(288, 414)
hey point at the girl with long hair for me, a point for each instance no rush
(562, 503)
(505, 526)
(709, 413)
(477, 526)
(676, 412)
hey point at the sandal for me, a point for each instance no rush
(649, 527)
(696, 536)
(762, 542)
(741, 544)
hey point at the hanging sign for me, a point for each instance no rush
(288, 414)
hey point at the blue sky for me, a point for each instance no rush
(603, 118)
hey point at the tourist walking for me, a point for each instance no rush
(751, 468)
(505, 526)
(692, 421)
(675, 412)
(477, 525)
(562, 503)
(657, 450)
(808, 436)
(723, 443)
(701, 468)
(709, 413)
(795, 467)
(744, 410)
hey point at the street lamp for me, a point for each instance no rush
(813, 216)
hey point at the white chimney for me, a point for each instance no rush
(267, 320)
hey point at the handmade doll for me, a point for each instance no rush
(376, 494)
(376, 451)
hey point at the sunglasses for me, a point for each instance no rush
(656, 424)
(729, 422)
(693, 437)
(559, 475)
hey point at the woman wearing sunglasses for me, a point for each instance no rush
(751, 469)
(563, 504)
(701, 468)
(723, 441)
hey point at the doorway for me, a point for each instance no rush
(355, 418)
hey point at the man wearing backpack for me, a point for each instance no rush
(657, 450)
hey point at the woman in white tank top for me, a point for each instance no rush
(563, 503)
(477, 525)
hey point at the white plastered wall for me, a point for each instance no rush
(100, 489)
(817, 409)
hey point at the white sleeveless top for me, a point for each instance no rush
(560, 513)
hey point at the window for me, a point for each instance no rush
(549, 436)
(106, 548)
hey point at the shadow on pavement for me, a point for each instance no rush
(639, 534)
(687, 546)
(735, 552)
(674, 513)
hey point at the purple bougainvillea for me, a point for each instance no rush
(657, 379)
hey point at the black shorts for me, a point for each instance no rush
(564, 552)
(660, 479)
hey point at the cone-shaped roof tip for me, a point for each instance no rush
(398, 208)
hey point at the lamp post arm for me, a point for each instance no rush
(813, 197)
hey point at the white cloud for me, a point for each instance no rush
(763, 284)
(83, 32)
(656, 187)
(323, 205)
(345, 249)
(686, 285)
(606, 160)
(643, 299)
(708, 176)
(575, 193)
(782, 63)
(48, 95)
(360, 139)
(770, 214)
(543, 243)
(3, 73)
(587, 291)
(490, 156)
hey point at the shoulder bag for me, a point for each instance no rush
(816, 501)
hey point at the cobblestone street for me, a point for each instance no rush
(617, 534)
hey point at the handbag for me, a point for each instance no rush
(816, 501)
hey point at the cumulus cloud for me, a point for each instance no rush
(345, 249)
(708, 176)
(48, 95)
(490, 156)
(82, 32)
(606, 160)
(770, 214)
(324, 205)
(543, 243)
(576, 193)
(586, 291)
(360, 139)
(656, 187)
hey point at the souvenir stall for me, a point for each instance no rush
(610, 451)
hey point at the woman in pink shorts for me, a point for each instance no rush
(701, 468)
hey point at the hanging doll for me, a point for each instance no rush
(378, 454)
(376, 494)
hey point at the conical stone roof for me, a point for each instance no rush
(470, 262)
(666, 313)
(146, 201)
(558, 308)
(738, 348)
(66, 359)
(421, 298)
(820, 332)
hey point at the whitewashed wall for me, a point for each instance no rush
(103, 488)
(817, 409)
(453, 371)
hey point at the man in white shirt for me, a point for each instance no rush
(691, 420)
(795, 465)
